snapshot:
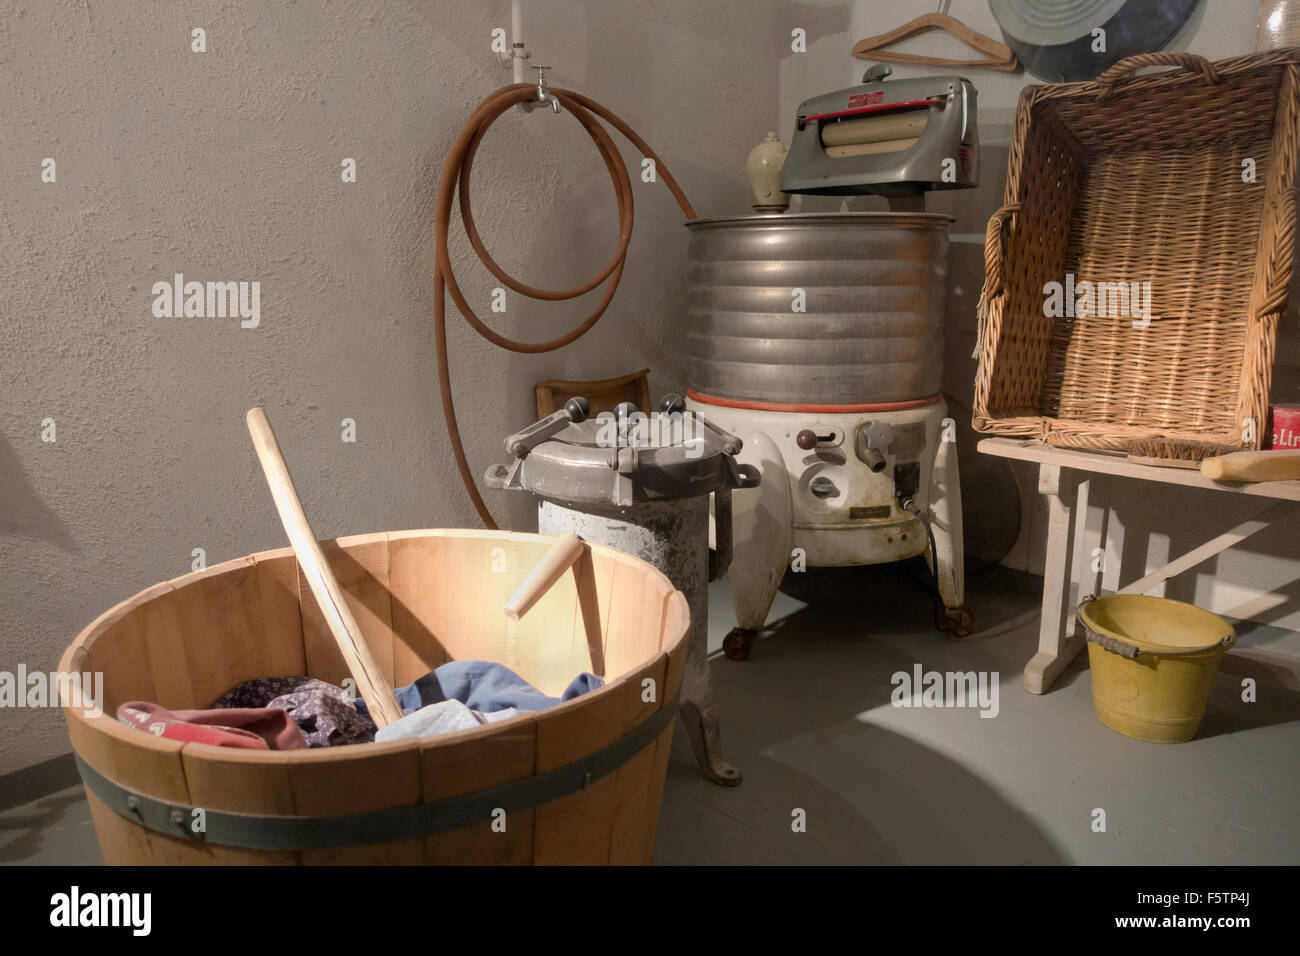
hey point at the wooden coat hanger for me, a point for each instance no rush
(1000, 55)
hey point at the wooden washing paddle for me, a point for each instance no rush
(371, 683)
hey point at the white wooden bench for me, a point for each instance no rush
(1065, 479)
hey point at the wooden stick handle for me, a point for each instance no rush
(371, 683)
(1278, 465)
(554, 563)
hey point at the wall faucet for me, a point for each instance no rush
(544, 95)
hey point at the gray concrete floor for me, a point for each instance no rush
(808, 719)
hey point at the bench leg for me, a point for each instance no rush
(1057, 644)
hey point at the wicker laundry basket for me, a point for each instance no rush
(1181, 179)
(579, 782)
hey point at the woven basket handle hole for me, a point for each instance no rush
(993, 247)
(1188, 61)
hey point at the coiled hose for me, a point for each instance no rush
(456, 174)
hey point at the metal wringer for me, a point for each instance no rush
(642, 484)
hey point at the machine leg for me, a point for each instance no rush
(699, 713)
(945, 522)
(762, 531)
(738, 641)
(699, 709)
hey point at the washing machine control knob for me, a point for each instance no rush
(672, 403)
(806, 439)
(578, 409)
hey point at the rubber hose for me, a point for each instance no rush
(456, 177)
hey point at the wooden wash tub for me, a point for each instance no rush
(580, 782)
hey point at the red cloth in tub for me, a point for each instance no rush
(249, 728)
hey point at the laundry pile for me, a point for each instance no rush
(324, 713)
(294, 713)
(463, 694)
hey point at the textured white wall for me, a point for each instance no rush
(1257, 581)
(226, 165)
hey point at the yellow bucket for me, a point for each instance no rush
(1153, 661)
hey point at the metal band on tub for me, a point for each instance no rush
(257, 831)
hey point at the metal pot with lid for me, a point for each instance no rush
(643, 484)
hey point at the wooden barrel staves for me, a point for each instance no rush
(580, 782)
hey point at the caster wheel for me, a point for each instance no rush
(737, 643)
(959, 622)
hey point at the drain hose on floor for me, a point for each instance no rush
(456, 173)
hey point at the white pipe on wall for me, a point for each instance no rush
(516, 39)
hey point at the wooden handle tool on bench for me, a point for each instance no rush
(371, 683)
(558, 559)
(1279, 465)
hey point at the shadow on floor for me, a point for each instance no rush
(28, 832)
(1276, 700)
(808, 720)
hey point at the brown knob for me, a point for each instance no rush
(806, 439)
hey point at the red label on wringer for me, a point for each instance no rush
(866, 99)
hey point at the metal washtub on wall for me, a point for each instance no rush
(872, 329)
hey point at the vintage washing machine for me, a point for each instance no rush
(818, 338)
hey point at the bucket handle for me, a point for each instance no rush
(1112, 644)
(1131, 651)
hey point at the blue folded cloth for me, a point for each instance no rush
(485, 687)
